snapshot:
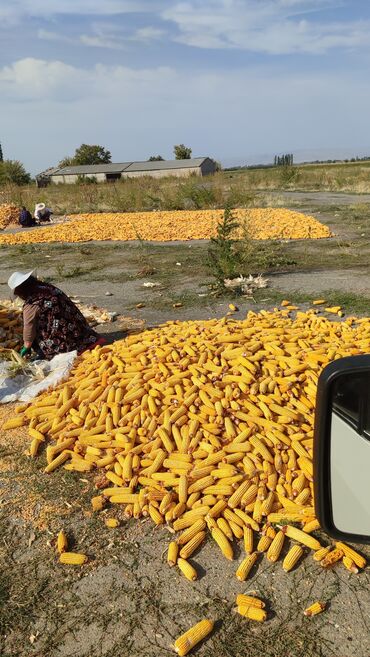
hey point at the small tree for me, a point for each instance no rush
(223, 260)
(182, 152)
(13, 171)
(1, 154)
(156, 158)
(87, 154)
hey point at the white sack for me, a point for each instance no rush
(24, 388)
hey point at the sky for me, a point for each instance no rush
(237, 80)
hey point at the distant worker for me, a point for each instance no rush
(26, 219)
(42, 213)
(52, 323)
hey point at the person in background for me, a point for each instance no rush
(52, 323)
(25, 218)
(42, 213)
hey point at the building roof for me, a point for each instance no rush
(119, 167)
(166, 164)
(92, 168)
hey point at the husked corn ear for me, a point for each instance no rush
(273, 553)
(112, 523)
(357, 558)
(252, 612)
(193, 530)
(314, 609)
(350, 565)
(97, 502)
(15, 422)
(332, 557)
(292, 557)
(321, 553)
(62, 542)
(248, 540)
(223, 543)
(264, 543)
(246, 566)
(72, 558)
(187, 569)
(300, 536)
(173, 550)
(190, 547)
(189, 639)
(243, 600)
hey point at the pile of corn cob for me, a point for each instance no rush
(10, 327)
(9, 214)
(262, 224)
(204, 425)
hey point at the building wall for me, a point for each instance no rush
(162, 173)
(208, 167)
(72, 178)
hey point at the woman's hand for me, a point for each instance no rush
(25, 351)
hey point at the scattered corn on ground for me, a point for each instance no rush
(206, 426)
(10, 327)
(262, 224)
(9, 214)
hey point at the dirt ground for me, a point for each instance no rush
(126, 601)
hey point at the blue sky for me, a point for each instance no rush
(238, 80)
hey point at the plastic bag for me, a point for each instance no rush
(25, 388)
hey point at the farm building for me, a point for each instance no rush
(200, 166)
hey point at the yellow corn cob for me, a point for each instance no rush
(157, 517)
(189, 639)
(243, 600)
(314, 609)
(252, 612)
(357, 558)
(112, 523)
(187, 569)
(319, 555)
(15, 422)
(62, 542)
(173, 550)
(264, 543)
(248, 540)
(97, 502)
(300, 536)
(292, 557)
(223, 543)
(246, 566)
(190, 547)
(350, 565)
(273, 553)
(332, 557)
(72, 558)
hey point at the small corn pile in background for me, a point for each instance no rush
(9, 214)
(262, 224)
(206, 426)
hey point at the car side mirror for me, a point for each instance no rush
(342, 449)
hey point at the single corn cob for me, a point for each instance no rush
(189, 639)
(357, 558)
(72, 558)
(173, 550)
(246, 566)
(273, 553)
(349, 564)
(300, 536)
(248, 540)
(187, 569)
(292, 557)
(112, 523)
(62, 542)
(223, 543)
(252, 612)
(314, 609)
(190, 547)
(243, 600)
(332, 557)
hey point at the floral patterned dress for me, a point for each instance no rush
(61, 327)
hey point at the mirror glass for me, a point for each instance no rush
(350, 453)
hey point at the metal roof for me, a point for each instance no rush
(166, 164)
(119, 167)
(93, 168)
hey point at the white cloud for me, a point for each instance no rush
(13, 10)
(265, 26)
(137, 112)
